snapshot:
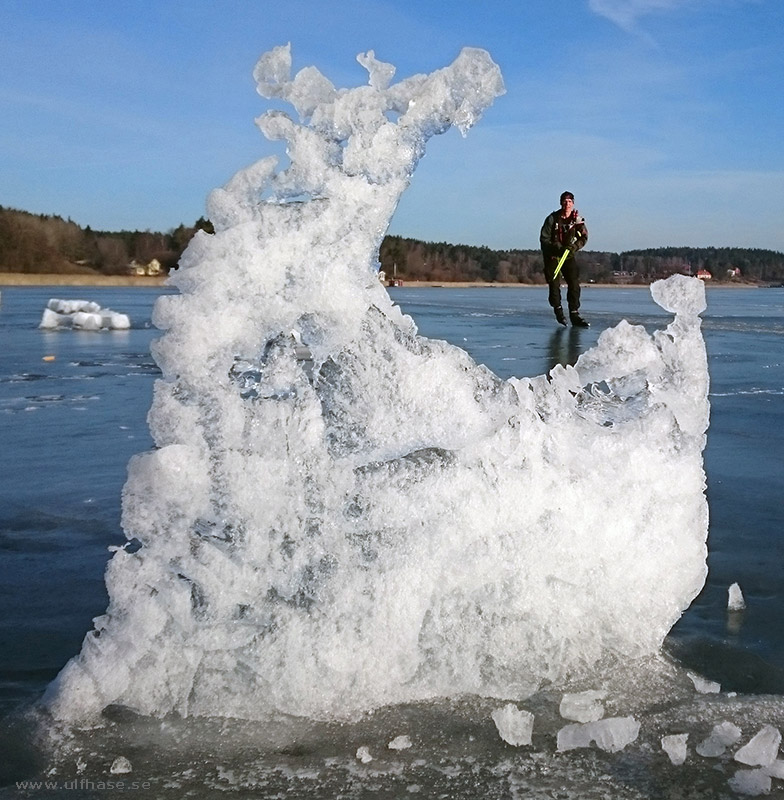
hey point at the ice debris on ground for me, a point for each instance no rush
(400, 743)
(120, 766)
(724, 735)
(583, 706)
(776, 769)
(83, 315)
(735, 601)
(762, 750)
(515, 726)
(675, 747)
(611, 734)
(750, 782)
(703, 685)
(363, 754)
(382, 520)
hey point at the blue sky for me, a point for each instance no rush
(664, 117)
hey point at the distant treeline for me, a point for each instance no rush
(49, 244)
(409, 259)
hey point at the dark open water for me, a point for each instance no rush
(69, 424)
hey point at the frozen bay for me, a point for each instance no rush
(354, 551)
(71, 424)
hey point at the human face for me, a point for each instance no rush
(567, 204)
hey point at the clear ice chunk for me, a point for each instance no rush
(612, 734)
(763, 748)
(675, 747)
(515, 726)
(724, 735)
(583, 706)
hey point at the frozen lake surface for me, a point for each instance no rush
(74, 404)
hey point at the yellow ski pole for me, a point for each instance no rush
(561, 263)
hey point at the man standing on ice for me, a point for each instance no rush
(564, 233)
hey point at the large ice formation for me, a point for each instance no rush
(341, 514)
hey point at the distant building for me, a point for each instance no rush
(152, 269)
(733, 272)
(704, 275)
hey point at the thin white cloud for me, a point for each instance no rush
(626, 13)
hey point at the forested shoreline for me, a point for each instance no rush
(47, 244)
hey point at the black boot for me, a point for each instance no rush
(577, 321)
(559, 315)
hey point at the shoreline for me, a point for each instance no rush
(78, 279)
(498, 285)
(54, 279)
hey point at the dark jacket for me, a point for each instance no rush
(559, 233)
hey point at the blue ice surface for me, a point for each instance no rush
(71, 424)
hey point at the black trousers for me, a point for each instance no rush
(570, 272)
